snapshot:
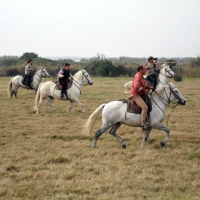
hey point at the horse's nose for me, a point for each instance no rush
(184, 102)
(91, 83)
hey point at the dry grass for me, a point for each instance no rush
(46, 156)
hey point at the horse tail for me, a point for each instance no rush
(37, 97)
(10, 88)
(92, 119)
(127, 87)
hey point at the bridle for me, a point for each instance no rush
(168, 97)
(165, 74)
(168, 71)
(83, 75)
(43, 71)
(168, 101)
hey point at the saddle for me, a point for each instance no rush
(132, 107)
(59, 86)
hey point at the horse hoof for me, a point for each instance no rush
(123, 146)
(162, 144)
(93, 146)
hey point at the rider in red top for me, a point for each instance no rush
(138, 87)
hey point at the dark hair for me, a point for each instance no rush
(155, 58)
(67, 64)
(140, 68)
(29, 61)
(150, 58)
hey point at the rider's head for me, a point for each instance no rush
(142, 69)
(150, 59)
(30, 61)
(67, 66)
(155, 60)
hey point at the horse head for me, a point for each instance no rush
(44, 72)
(166, 71)
(176, 96)
(86, 77)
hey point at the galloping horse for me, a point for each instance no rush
(165, 73)
(16, 81)
(115, 113)
(48, 89)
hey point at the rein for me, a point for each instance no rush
(161, 98)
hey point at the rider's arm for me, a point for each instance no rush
(148, 87)
(137, 84)
(71, 75)
(28, 67)
(60, 74)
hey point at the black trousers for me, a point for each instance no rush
(64, 86)
(27, 80)
(153, 79)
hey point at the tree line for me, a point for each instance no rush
(96, 66)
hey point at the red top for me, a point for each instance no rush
(138, 85)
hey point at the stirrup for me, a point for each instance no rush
(146, 126)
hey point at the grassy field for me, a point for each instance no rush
(47, 156)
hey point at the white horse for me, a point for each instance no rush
(48, 89)
(165, 73)
(115, 113)
(16, 81)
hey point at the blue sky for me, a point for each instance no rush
(135, 28)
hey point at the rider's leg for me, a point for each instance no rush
(152, 78)
(28, 82)
(62, 82)
(140, 102)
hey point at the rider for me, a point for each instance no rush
(63, 75)
(138, 87)
(152, 71)
(29, 73)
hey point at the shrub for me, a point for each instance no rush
(13, 72)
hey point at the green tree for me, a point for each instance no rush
(28, 56)
(9, 62)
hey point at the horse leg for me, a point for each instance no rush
(145, 138)
(15, 91)
(80, 104)
(70, 106)
(114, 134)
(162, 127)
(39, 104)
(50, 100)
(98, 134)
(36, 92)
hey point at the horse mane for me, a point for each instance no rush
(160, 90)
